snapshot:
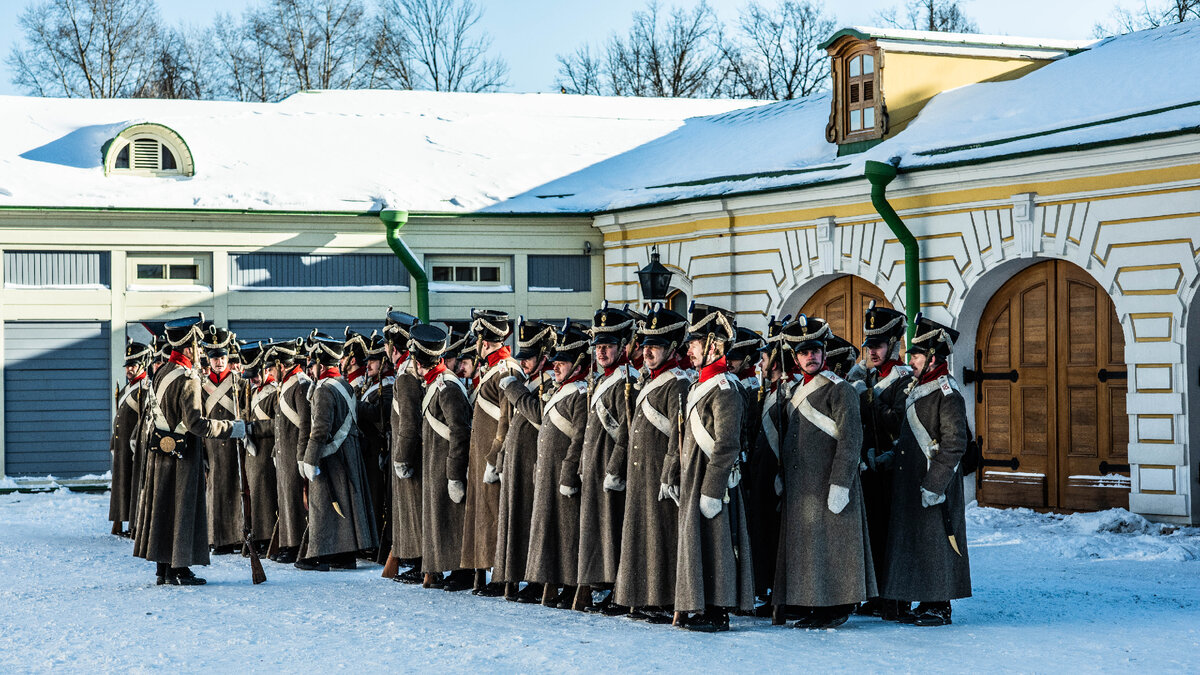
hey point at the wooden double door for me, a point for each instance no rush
(1051, 382)
(842, 303)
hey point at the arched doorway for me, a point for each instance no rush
(1050, 389)
(843, 303)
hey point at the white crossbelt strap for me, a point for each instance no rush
(659, 420)
(704, 440)
(219, 394)
(291, 415)
(662, 379)
(769, 429)
(396, 399)
(439, 427)
(343, 431)
(556, 418)
(928, 445)
(492, 409)
(387, 382)
(800, 402)
(256, 410)
(160, 420)
(897, 373)
(134, 403)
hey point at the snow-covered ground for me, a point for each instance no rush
(1088, 592)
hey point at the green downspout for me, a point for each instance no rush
(392, 222)
(880, 174)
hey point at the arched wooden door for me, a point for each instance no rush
(843, 303)
(1063, 418)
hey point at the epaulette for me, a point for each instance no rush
(581, 386)
(831, 376)
(679, 374)
(946, 385)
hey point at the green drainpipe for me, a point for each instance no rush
(392, 222)
(880, 174)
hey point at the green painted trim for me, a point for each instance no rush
(857, 147)
(880, 174)
(108, 149)
(859, 35)
(1073, 127)
(392, 222)
(749, 176)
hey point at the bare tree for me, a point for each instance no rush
(1125, 20)
(943, 16)
(580, 72)
(441, 48)
(86, 48)
(323, 44)
(777, 55)
(176, 69)
(244, 66)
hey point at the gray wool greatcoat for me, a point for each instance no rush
(292, 412)
(922, 566)
(602, 512)
(758, 484)
(339, 510)
(882, 400)
(489, 426)
(126, 456)
(223, 402)
(518, 459)
(715, 565)
(260, 459)
(445, 445)
(407, 391)
(824, 558)
(649, 532)
(172, 524)
(554, 527)
(374, 420)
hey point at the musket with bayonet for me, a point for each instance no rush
(257, 575)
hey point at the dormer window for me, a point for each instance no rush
(860, 94)
(148, 150)
(858, 112)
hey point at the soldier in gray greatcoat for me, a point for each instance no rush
(489, 427)
(824, 559)
(340, 521)
(405, 455)
(554, 526)
(885, 377)
(260, 399)
(220, 395)
(927, 538)
(374, 414)
(714, 570)
(445, 444)
(123, 446)
(518, 457)
(650, 470)
(172, 526)
(292, 412)
(602, 494)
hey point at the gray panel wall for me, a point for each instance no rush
(299, 270)
(57, 398)
(565, 272)
(57, 268)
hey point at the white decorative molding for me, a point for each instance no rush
(1028, 239)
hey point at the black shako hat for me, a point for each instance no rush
(491, 325)
(806, 333)
(931, 337)
(137, 353)
(426, 344)
(747, 343)
(882, 325)
(715, 323)
(324, 349)
(612, 326)
(534, 338)
(663, 328)
(840, 355)
(216, 341)
(181, 332)
(396, 327)
(571, 343)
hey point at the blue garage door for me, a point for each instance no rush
(58, 397)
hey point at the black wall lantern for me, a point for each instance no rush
(655, 279)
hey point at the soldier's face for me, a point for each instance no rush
(531, 365)
(766, 366)
(654, 356)
(920, 362)
(876, 353)
(219, 363)
(695, 353)
(811, 360)
(465, 369)
(563, 370)
(373, 366)
(256, 380)
(132, 371)
(606, 355)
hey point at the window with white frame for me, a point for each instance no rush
(448, 274)
(156, 271)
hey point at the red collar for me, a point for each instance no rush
(401, 357)
(330, 373)
(886, 368)
(715, 368)
(667, 365)
(498, 356)
(218, 378)
(265, 381)
(746, 372)
(931, 375)
(355, 374)
(579, 375)
(180, 359)
(621, 360)
(139, 377)
(434, 372)
(289, 374)
(806, 377)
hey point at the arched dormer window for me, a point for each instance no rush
(148, 150)
(859, 114)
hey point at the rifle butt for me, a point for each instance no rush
(273, 547)
(392, 567)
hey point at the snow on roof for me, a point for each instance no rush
(329, 151)
(1131, 86)
(964, 39)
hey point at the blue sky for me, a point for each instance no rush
(529, 33)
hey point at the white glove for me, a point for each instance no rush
(490, 474)
(133, 445)
(613, 483)
(402, 471)
(839, 497)
(929, 499)
(309, 471)
(457, 491)
(567, 491)
(668, 492)
(778, 485)
(238, 430)
(735, 476)
(507, 380)
(251, 448)
(710, 507)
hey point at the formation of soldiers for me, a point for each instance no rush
(666, 468)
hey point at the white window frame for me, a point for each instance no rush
(202, 282)
(503, 285)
